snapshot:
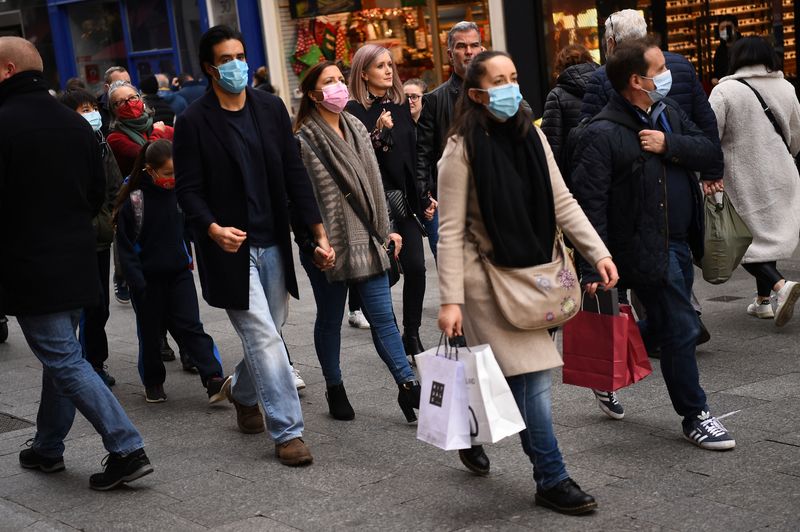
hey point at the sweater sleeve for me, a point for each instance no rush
(425, 148)
(189, 176)
(453, 198)
(126, 248)
(298, 184)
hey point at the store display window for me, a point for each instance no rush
(97, 40)
(28, 19)
(570, 22)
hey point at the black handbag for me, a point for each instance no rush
(395, 270)
(400, 209)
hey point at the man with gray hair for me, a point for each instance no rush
(112, 74)
(52, 148)
(176, 102)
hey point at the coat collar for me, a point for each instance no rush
(753, 71)
(24, 82)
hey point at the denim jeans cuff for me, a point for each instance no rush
(132, 449)
(288, 438)
(562, 477)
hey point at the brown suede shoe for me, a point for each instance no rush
(293, 453)
(248, 418)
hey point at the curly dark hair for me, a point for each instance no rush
(574, 54)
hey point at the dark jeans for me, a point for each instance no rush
(376, 300)
(432, 227)
(353, 300)
(172, 297)
(766, 274)
(92, 334)
(412, 259)
(673, 324)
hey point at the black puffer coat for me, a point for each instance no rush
(562, 109)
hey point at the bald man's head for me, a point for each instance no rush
(18, 55)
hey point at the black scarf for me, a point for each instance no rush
(514, 193)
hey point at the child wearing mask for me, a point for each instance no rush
(156, 265)
(92, 334)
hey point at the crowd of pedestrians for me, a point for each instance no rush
(219, 174)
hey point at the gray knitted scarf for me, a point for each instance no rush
(358, 255)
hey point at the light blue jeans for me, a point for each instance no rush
(70, 382)
(264, 375)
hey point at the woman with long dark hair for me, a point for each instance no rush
(379, 102)
(501, 196)
(761, 177)
(337, 153)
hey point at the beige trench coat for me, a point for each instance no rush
(462, 278)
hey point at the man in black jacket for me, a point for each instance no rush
(635, 180)
(51, 148)
(463, 43)
(237, 165)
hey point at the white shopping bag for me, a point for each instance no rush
(494, 414)
(443, 406)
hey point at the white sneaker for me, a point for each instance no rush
(787, 297)
(299, 383)
(761, 310)
(356, 319)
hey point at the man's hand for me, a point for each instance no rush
(608, 272)
(712, 187)
(431, 210)
(450, 320)
(653, 141)
(398, 243)
(229, 239)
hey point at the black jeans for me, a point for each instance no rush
(92, 334)
(412, 259)
(172, 297)
(766, 274)
(353, 299)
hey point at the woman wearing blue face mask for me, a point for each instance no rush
(93, 320)
(501, 195)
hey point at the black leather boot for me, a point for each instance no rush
(475, 460)
(408, 399)
(566, 497)
(412, 345)
(338, 405)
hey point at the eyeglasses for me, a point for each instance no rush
(129, 99)
(413, 97)
(611, 23)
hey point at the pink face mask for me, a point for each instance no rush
(335, 97)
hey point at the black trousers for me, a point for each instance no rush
(172, 298)
(412, 259)
(92, 335)
(766, 274)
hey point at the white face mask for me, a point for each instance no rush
(723, 34)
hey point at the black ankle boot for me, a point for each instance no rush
(412, 345)
(408, 399)
(338, 405)
(475, 460)
(566, 497)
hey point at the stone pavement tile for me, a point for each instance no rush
(104, 514)
(602, 519)
(494, 524)
(781, 416)
(692, 514)
(607, 432)
(782, 387)
(772, 494)
(205, 483)
(254, 524)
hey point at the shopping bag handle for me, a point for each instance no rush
(453, 344)
(596, 299)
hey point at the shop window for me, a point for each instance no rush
(570, 22)
(224, 12)
(28, 19)
(187, 18)
(148, 24)
(96, 30)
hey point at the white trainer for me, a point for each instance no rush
(358, 320)
(299, 383)
(787, 297)
(761, 309)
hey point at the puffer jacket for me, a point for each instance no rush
(562, 109)
(623, 189)
(686, 91)
(102, 223)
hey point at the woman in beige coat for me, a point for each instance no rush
(500, 192)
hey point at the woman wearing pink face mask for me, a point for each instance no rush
(335, 142)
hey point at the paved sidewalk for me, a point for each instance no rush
(372, 473)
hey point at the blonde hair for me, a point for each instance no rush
(363, 58)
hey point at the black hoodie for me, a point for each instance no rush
(562, 108)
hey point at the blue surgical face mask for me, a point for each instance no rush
(504, 101)
(94, 119)
(663, 83)
(233, 76)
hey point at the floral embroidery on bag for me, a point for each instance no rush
(549, 316)
(544, 283)
(568, 305)
(566, 279)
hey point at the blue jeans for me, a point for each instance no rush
(264, 375)
(532, 393)
(673, 324)
(376, 303)
(70, 382)
(432, 227)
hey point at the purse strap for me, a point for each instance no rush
(768, 112)
(344, 188)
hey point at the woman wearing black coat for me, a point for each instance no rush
(379, 102)
(562, 109)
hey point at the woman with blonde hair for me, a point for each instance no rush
(379, 102)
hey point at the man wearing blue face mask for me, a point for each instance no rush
(237, 167)
(92, 335)
(634, 178)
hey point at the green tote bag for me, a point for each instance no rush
(726, 240)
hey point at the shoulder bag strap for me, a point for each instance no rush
(344, 188)
(768, 112)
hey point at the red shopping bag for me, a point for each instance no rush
(638, 362)
(596, 351)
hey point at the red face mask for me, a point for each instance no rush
(163, 182)
(131, 110)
